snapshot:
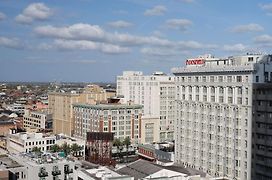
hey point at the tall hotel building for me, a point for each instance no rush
(224, 116)
(156, 93)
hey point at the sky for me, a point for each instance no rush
(96, 40)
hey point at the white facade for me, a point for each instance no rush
(213, 131)
(48, 167)
(17, 108)
(25, 142)
(37, 119)
(155, 92)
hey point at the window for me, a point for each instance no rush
(250, 59)
(240, 90)
(239, 78)
(204, 89)
(229, 99)
(230, 90)
(212, 79)
(204, 79)
(257, 78)
(197, 89)
(220, 78)
(212, 89)
(229, 78)
(221, 99)
(221, 90)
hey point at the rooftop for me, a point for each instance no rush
(7, 162)
(35, 159)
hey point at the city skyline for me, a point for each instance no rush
(91, 40)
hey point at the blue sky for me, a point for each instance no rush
(95, 40)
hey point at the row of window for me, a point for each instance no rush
(213, 79)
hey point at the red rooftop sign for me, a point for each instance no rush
(194, 61)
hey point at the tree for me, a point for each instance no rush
(36, 149)
(118, 144)
(127, 143)
(66, 148)
(55, 148)
(75, 148)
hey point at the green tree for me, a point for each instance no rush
(66, 148)
(55, 148)
(119, 145)
(75, 148)
(127, 143)
(36, 149)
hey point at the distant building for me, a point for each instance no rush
(60, 105)
(25, 142)
(121, 119)
(156, 93)
(5, 124)
(37, 119)
(17, 108)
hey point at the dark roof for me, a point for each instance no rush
(139, 169)
(181, 169)
(9, 112)
(4, 118)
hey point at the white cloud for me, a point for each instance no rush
(247, 28)
(89, 45)
(151, 51)
(266, 7)
(77, 31)
(34, 11)
(156, 11)
(263, 40)
(158, 34)
(2, 16)
(181, 24)
(235, 48)
(10, 43)
(95, 33)
(120, 24)
(92, 37)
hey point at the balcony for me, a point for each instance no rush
(56, 171)
(42, 173)
(67, 170)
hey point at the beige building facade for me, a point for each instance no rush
(60, 105)
(149, 130)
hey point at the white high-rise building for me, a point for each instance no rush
(155, 92)
(218, 126)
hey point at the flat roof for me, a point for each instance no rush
(7, 162)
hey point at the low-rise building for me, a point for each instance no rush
(61, 139)
(5, 124)
(17, 108)
(25, 142)
(28, 166)
(38, 119)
